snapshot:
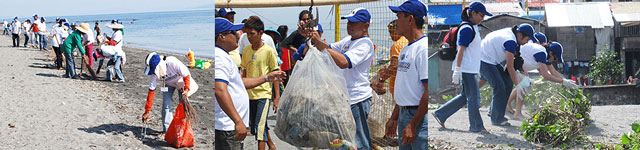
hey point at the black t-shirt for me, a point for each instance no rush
(294, 39)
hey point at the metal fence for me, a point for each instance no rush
(381, 105)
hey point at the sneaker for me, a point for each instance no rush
(439, 122)
(504, 123)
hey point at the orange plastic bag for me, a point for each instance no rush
(180, 133)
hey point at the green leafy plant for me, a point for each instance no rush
(606, 67)
(560, 120)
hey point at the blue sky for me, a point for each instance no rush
(26, 8)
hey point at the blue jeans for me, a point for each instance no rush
(421, 139)
(114, 63)
(70, 67)
(167, 112)
(470, 96)
(35, 37)
(26, 39)
(502, 85)
(360, 112)
(43, 41)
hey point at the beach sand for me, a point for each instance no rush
(42, 110)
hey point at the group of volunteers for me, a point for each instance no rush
(66, 37)
(502, 59)
(248, 74)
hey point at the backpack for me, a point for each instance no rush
(449, 49)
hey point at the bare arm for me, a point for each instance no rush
(510, 69)
(274, 76)
(542, 68)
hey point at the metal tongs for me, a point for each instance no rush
(312, 23)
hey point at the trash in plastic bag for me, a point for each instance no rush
(380, 112)
(314, 109)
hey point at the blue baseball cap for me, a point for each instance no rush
(224, 25)
(152, 61)
(225, 11)
(479, 7)
(35, 15)
(358, 15)
(16, 17)
(413, 7)
(540, 37)
(556, 48)
(526, 29)
(42, 18)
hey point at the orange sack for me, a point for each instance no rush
(180, 133)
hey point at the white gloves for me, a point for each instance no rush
(457, 76)
(524, 86)
(569, 84)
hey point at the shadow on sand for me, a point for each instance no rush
(149, 139)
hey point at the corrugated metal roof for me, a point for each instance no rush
(509, 8)
(626, 12)
(593, 14)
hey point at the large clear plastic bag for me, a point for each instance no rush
(314, 109)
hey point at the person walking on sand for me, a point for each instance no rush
(34, 32)
(231, 96)
(465, 68)
(15, 31)
(59, 34)
(353, 54)
(42, 32)
(26, 25)
(73, 41)
(171, 74)
(260, 59)
(409, 117)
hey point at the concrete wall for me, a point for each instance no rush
(613, 94)
(578, 42)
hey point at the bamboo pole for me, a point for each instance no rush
(337, 23)
(280, 3)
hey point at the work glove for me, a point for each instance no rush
(457, 76)
(524, 87)
(569, 84)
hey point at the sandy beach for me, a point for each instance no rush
(42, 110)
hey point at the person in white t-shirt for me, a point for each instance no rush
(354, 54)
(497, 66)
(59, 34)
(409, 117)
(540, 57)
(25, 30)
(15, 32)
(88, 39)
(42, 33)
(170, 74)
(231, 97)
(466, 67)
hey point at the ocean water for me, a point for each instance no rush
(173, 32)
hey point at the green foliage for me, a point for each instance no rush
(561, 119)
(606, 67)
(629, 140)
